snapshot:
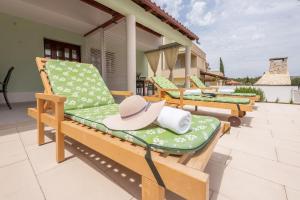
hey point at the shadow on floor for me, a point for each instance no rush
(120, 175)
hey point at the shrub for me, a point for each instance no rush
(257, 91)
(277, 100)
(291, 101)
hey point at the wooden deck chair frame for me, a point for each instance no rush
(237, 110)
(174, 170)
(252, 99)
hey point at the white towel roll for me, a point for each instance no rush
(226, 90)
(176, 120)
(192, 92)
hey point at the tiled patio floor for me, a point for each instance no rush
(259, 160)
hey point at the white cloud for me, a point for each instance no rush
(247, 33)
(199, 16)
(173, 7)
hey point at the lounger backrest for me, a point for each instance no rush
(197, 81)
(81, 83)
(166, 84)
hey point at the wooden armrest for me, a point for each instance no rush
(121, 93)
(51, 97)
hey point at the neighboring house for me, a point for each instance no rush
(214, 78)
(198, 63)
(111, 34)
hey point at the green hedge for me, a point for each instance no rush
(257, 91)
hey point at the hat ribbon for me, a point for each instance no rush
(145, 108)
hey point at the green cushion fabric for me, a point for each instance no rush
(202, 130)
(200, 84)
(219, 99)
(239, 94)
(166, 84)
(197, 81)
(80, 83)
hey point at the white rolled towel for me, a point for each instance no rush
(176, 120)
(192, 92)
(226, 90)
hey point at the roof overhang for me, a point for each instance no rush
(147, 19)
(213, 75)
(151, 7)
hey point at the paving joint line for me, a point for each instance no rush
(36, 177)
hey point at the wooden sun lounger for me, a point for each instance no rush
(252, 99)
(174, 170)
(237, 111)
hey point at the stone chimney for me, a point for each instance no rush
(278, 65)
(278, 73)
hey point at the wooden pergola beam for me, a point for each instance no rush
(213, 75)
(166, 46)
(115, 17)
(105, 24)
(100, 7)
(148, 29)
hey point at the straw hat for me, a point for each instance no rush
(135, 113)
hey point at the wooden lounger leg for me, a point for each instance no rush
(40, 124)
(60, 145)
(235, 113)
(234, 118)
(151, 190)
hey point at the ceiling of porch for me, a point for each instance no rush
(71, 15)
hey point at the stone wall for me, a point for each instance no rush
(278, 66)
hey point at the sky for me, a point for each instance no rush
(245, 33)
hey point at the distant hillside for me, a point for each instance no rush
(247, 80)
(251, 80)
(295, 80)
(292, 77)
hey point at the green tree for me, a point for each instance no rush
(296, 81)
(247, 81)
(222, 66)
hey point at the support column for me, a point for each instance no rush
(187, 66)
(131, 52)
(103, 60)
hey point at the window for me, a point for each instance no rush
(61, 50)
(109, 57)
